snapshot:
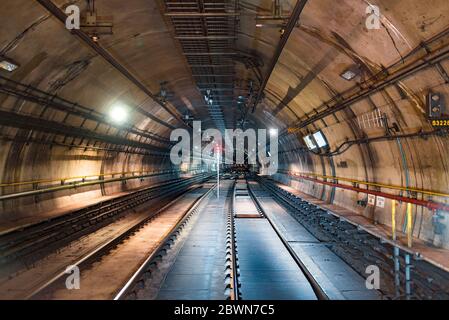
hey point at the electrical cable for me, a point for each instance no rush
(345, 146)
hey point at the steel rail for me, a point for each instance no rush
(319, 291)
(123, 292)
(98, 205)
(102, 250)
(313, 215)
(234, 267)
(41, 238)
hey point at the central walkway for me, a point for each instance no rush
(199, 269)
(267, 270)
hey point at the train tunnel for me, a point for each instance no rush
(224, 150)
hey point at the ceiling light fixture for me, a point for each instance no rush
(310, 142)
(8, 64)
(316, 140)
(350, 73)
(320, 139)
(118, 114)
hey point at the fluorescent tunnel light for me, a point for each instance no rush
(320, 140)
(310, 142)
(7, 64)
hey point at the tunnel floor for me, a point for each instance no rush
(252, 240)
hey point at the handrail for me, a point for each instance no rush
(33, 182)
(373, 184)
(424, 203)
(79, 184)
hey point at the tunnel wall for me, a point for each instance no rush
(307, 82)
(420, 153)
(55, 61)
(34, 162)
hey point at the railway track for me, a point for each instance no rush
(255, 263)
(36, 241)
(259, 259)
(359, 248)
(233, 249)
(129, 247)
(231, 266)
(249, 230)
(137, 282)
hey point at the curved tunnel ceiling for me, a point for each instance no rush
(328, 39)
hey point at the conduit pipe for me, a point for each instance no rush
(424, 203)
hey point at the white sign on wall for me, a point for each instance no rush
(380, 202)
(371, 200)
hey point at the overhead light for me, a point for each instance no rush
(316, 140)
(320, 139)
(8, 64)
(259, 25)
(311, 144)
(350, 73)
(118, 114)
(273, 132)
